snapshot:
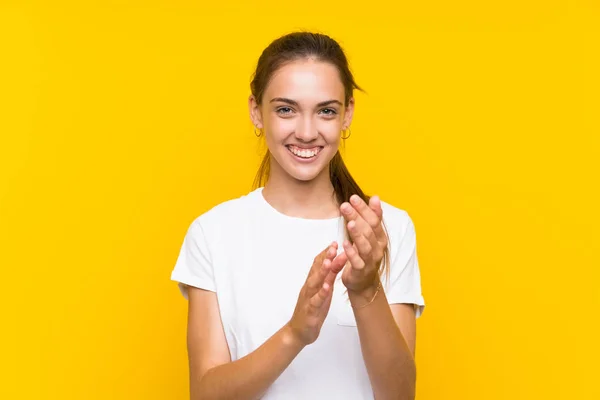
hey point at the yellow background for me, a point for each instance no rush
(120, 122)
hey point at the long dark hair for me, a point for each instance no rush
(300, 45)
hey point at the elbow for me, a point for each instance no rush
(198, 387)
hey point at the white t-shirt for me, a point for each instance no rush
(256, 259)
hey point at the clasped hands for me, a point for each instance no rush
(359, 264)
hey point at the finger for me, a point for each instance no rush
(338, 262)
(315, 281)
(329, 252)
(332, 250)
(362, 227)
(336, 267)
(349, 212)
(319, 299)
(326, 304)
(356, 261)
(363, 245)
(364, 211)
(365, 240)
(370, 216)
(375, 205)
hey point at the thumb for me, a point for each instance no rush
(338, 262)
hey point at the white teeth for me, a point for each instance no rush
(303, 152)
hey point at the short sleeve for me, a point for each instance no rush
(193, 266)
(405, 279)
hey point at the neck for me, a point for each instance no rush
(314, 199)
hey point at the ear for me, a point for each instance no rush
(348, 114)
(255, 112)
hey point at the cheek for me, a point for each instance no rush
(331, 131)
(275, 135)
(279, 128)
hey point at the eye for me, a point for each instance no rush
(328, 111)
(284, 110)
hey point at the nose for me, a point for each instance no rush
(307, 131)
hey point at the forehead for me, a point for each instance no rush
(305, 80)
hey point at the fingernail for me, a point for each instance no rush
(354, 199)
(346, 208)
(351, 225)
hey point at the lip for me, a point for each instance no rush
(304, 160)
(303, 147)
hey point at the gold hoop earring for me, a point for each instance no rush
(259, 132)
(349, 133)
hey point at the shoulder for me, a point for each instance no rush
(394, 215)
(226, 214)
(397, 221)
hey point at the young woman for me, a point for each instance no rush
(304, 288)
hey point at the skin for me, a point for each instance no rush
(303, 105)
(296, 189)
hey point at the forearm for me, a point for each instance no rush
(388, 359)
(250, 376)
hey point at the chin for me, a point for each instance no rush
(303, 177)
(304, 172)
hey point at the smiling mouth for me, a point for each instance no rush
(304, 153)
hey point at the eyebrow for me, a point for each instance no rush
(295, 103)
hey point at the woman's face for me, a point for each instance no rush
(302, 115)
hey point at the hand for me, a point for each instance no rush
(315, 296)
(370, 242)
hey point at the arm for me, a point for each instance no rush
(387, 349)
(387, 334)
(214, 376)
